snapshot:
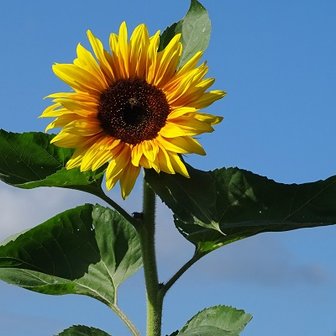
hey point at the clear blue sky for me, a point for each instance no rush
(276, 60)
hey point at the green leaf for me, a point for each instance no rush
(87, 250)
(216, 321)
(169, 33)
(215, 208)
(28, 160)
(195, 28)
(81, 330)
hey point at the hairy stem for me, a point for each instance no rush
(146, 231)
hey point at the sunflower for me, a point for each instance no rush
(132, 106)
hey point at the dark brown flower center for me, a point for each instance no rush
(132, 110)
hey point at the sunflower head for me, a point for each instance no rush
(132, 106)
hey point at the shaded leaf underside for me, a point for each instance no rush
(215, 208)
(28, 160)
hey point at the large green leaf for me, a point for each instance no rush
(195, 28)
(81, 330)
(87, 250)
(215, 208)
(216, 321)
(28, 160)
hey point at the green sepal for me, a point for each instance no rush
(215, 208)
(88, 250)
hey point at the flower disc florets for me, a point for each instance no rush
(132, 110)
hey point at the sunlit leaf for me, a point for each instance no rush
(215, 208)
(195, 28)
(216, 321)
(81, 330)
(87, 250)
(28, 160)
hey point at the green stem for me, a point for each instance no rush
(180, 272)
(100, 193)
(146, 231)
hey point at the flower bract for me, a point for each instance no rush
(132, 106)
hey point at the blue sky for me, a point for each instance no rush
(276, 60)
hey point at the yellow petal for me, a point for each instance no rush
(84, 127)
(185, 126)
(117, 164)
(78, 96)
(164, 161)
(185, 86)
(128, 178)
(181, 145)
(54, 110)
(62, 120)
(152, 57)
(113, 172)
(101, 159)
(206, 83)
(191, 144)
(101, 55)
(167, 61)
(78, 78)
(139, 43)
(99, 153)
(178, 165)
(123, 50)
(63, 139)
(76, 159)
(87, 62)
(136, 154)
(190, 64)
(208, 98)
(170, 146)
(84, 109)
(180, 111)
(208, 118)
(150, 150)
